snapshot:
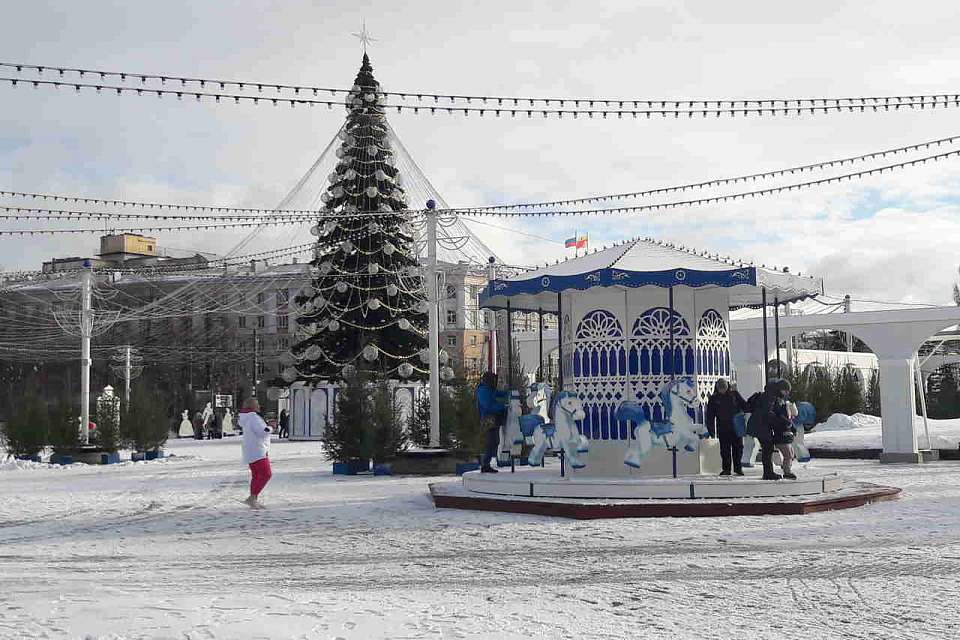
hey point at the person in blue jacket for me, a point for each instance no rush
(493, 411)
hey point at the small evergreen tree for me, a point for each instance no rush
(820, 392)
(144, 424)
(108, 436)
(420, 421)
(943, 393)
(25, 434)
(64, 434)
(872, 400)
(848, 392)
(798, 383)
(468, 433)
(347, 438)
(386, 437)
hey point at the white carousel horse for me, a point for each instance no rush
(677, 430)
(563, 433)
(511, 437)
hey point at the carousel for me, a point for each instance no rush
(643, 337)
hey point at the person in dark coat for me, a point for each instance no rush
(284, 424)
(768, 418)
(493, 411)
(725, 403)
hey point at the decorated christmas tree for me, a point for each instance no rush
(366, 308)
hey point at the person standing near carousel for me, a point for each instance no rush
(722, 408)
(492, 406)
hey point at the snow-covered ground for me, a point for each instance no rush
(166, 550)
(861, 431)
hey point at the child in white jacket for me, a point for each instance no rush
(256, 445)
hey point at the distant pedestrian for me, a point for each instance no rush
(493, 413)
(284, 424)
(783, 439)
(722, 407)
(256, 445)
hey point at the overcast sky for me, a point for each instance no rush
(890, 237)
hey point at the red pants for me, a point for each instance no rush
(260, 475)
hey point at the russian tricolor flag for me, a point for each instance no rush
(576, 242)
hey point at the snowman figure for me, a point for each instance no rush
(228, 422)
(186, 427)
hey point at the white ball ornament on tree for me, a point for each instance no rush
(404, 324)
(374, 304)
(347, 247)
(334, 325)
(380, 175)
(341, 287)
(371, 352)
(424, 356)
(374, 227)
(392, 290)
(372, 192)
(325, 267)
(369, 97)
(350, 174)
(373, 268)
(446, 374)
(326, 197)
(405, 370)
(423, 306)
(389, 249)
(315, 230)
(313, 352)
(337, 191)
(289, 374)
(329, 226)
(348, 371)
(372, 150)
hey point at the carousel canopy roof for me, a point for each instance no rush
(644, 262)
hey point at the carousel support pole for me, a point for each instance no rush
(776, 334)
(763, 302)
(559, 344)
(509, 346)
(540, 373)
(434, 324)
(673, 360)
(670, 324)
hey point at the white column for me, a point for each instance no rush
(434, 326)
(86, 330)
(897, 405)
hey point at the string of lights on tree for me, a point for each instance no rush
(435, 102)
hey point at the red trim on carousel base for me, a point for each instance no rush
(451, 495)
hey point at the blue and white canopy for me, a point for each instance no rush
(645, 262)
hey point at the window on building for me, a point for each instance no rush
(451, 317)
(474, 293)
(261, 322)
(283, 297)
(242, 322)
(451, 292)
(260, 298)
(283, 344)
(451, 341)
(283, 321)
(473, 341)
(259, 369)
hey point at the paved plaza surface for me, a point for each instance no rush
(167, 550)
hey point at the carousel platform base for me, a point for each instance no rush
(545, 493)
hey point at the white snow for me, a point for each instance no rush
(163, 550)
(862, 431)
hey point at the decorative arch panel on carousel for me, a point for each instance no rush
(618, 346)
